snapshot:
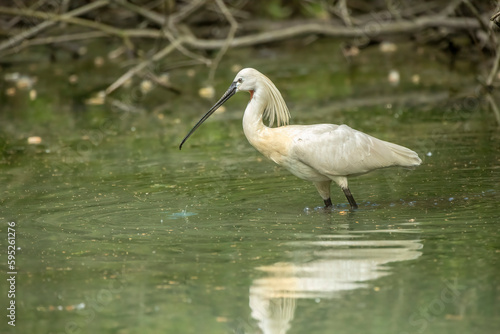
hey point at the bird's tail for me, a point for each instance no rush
(403, 156)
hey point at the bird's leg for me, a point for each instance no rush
(351, 200)
(323, 188)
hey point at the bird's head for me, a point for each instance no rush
(245, 80)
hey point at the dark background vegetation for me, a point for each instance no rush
(144, 40)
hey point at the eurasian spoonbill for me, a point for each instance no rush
(319, 153)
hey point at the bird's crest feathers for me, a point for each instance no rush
(276, 108)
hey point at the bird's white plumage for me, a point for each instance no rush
(342, 151)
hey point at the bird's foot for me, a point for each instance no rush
(350, 198)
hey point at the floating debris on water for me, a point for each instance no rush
(207, 92)
(415, 79)
(388, 47)
(182, 214)
(98, 61)
(33, 94)
(393, 77)
(34, 140)
(146, 86)
(21, 81)
(97, 99)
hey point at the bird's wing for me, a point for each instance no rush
(340, 150)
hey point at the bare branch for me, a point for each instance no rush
(495, 16)
(179, 45)
(229, 39)
(344, 13)
(494, 69)
(328, 29)
(494, 106)
(63, 18)
(139, 67)
(150, 15)
(494, 19)
(46, 24)
(185, 12)
(151, 76)
(319, 27)
(482, 23)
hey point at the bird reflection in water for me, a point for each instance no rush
(339, 265)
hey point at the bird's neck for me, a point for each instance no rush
(269, 141)
(253, 125)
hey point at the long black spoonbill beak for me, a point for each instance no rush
(230, 92)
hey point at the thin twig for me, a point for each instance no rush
(494, 69)
(63, 18)
(229, 39)
(494, 106)
(124, 106)
(494, 17)
(187, 10)
(183, 13)
(46, 24)
(64, 6)
(493, 41)
(149, 14)
(344, 13)
(450, 9)
(16, 19)
(161, 20)
(66, 38)
(393, 9)
(151, 76)
(482, 23)
(55, 40)
(180, 47)
(139, 67)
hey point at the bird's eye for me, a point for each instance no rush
(240, 80)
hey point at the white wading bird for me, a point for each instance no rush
(319, 153)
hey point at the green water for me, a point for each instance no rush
(117, 231)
